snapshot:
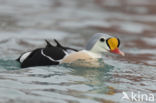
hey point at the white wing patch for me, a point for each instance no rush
(24, 56)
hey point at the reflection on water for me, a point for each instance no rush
(97, 78)
(52, 82)
(9, 64)
(25, 24)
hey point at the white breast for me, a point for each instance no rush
(93, 55)
(82, 58)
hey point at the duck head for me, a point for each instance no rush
(101, 43)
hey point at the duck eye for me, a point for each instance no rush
(102, 39)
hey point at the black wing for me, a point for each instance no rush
(36, 58)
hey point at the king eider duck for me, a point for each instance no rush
(89, 57)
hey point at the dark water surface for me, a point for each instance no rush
(24, 24)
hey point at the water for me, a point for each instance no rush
(25, 24)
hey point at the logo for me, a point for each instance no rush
(138, 97)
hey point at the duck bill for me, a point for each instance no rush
(117, 51)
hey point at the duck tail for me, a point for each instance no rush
(18, 59)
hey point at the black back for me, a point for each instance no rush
(36, 58)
